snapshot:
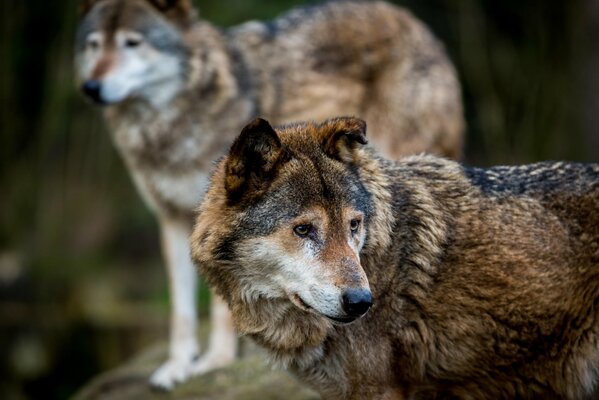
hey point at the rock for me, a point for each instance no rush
(250, 378)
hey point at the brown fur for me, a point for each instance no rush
(485, 282)
(103, 66)
(177, 89)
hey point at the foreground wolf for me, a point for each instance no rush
(179, 90)
(471, 283)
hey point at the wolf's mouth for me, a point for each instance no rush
(342, 320)
(299, 302)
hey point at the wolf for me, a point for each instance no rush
(176, 91)
(411, 279)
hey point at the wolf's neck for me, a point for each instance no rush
(292, 336)
(296, 340)
(213, 79)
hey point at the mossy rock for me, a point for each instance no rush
(250, 378)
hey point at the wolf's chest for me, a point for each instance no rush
(165, 163)
(166, 192)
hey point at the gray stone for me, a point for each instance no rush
(250, 378)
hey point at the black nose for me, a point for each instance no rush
(356, 301)
(92, 89)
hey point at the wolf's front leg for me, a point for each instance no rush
(183, 345)
(223, 338)
(183, 359)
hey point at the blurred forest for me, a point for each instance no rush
(82, 285)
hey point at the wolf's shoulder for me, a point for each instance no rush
(290, 19)
(306, 17)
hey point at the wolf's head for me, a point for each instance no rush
(132, 49)
(286, 218)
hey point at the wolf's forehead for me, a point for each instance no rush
(111, 16)
(104, 16)
(315, 178)
(296, 192)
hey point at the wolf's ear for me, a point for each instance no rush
(253, 159)
(85, 6)
(341, 136)
(180, 12)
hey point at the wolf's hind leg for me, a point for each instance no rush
(183, 345)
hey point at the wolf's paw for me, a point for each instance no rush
(172, 372)
(213, 360)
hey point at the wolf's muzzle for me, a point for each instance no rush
(92, 89)
(356, 302)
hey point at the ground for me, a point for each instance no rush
(250, 378)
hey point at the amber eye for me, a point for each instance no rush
(302, 230)
(354, 225)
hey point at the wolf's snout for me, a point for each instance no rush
(92, 88)
(356, 301)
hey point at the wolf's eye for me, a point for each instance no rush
(354, 225)
(93, 44)
(302, 230)
(132, 42)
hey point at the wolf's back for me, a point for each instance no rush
(539, 180)
(369, 59)
(570, 191)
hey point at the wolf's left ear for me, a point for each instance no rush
(181, 12)
(253, 160)
(341, 136)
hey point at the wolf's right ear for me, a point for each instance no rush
(253, 160)
(180, 12)
(85, 6)
(341, 136)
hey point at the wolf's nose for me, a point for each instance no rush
(356, 301)
(92, 89)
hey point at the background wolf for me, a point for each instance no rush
(481, 283)
(178, 90)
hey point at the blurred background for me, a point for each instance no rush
(82, 286)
